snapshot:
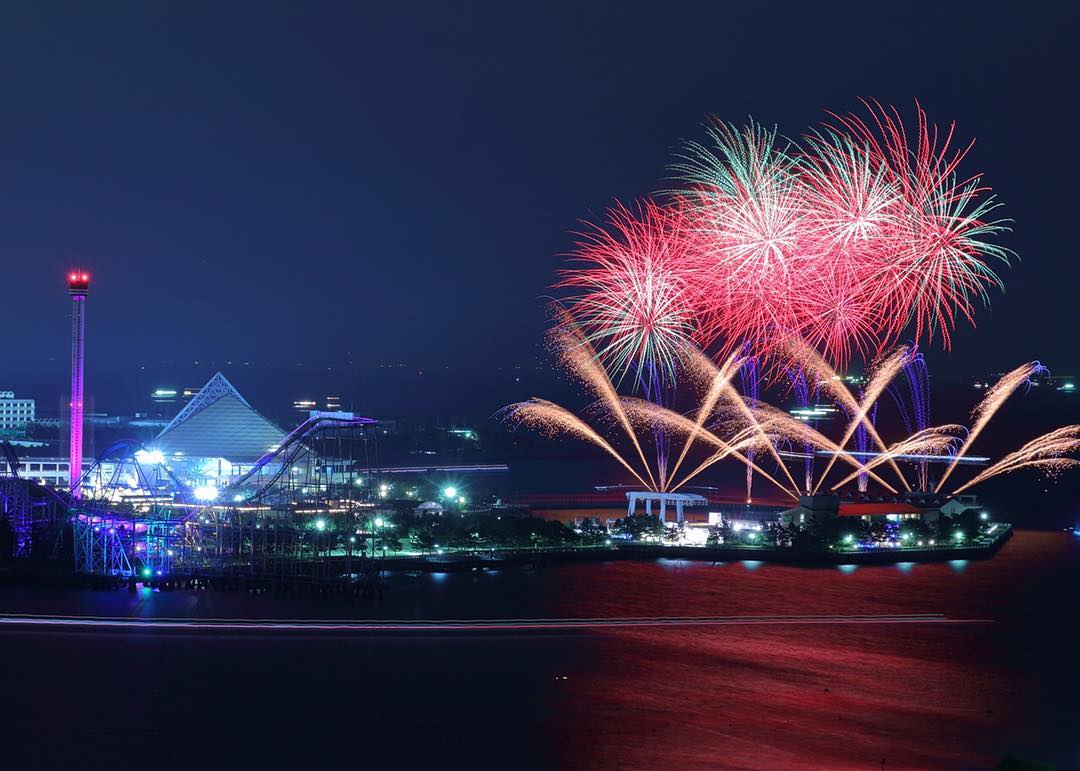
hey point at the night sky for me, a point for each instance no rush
(325, 182)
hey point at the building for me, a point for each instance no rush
(217, 436)
(15, 414)
(52, 472)
(924, 507)
(678, 501)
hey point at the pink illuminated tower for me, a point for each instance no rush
(78, 288)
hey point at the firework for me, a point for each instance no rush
(748, 257)
(847, 238)
(939, 247)
(719, 382)
(551, 419)
(720, 385)
(995, 396)
(937, 440)
(781, 426)
(915, 408)
(742, 426)
(1045, 453)
(842, 240)
(630, 280)
(738, 446)
(805, 358)
(579, 357)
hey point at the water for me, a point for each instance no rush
(938, 695)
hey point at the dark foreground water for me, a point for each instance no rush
(942, 695)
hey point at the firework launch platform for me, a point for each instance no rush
(679, 500)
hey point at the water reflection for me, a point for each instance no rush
(999, 675)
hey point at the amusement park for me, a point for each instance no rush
(543, 386)
(812, 274)
(221, 491)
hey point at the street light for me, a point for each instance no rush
(150, 457)
(206, 493)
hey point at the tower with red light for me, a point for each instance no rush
(78, 288)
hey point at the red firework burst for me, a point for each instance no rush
(857, 235)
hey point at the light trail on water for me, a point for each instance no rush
(464, 625)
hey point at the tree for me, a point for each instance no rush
(387, 540)
(640, 526)
(673, 532)
(422, 537)
(593, 532)
(912, 531)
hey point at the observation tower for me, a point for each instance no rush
(78, 288)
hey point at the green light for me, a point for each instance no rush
(320, 524)
(959, 535)
(450, 492)
(147, 572)
(849, 538)
(379, 522)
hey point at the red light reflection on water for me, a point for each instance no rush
(915, 696)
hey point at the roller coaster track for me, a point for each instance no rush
(112, 535)
(293, 445)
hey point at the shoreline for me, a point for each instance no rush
(365, 569)
(637, 551)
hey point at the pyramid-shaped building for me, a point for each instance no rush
(219, 423)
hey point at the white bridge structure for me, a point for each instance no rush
(679, 500)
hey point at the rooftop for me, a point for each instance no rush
(219, 423)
